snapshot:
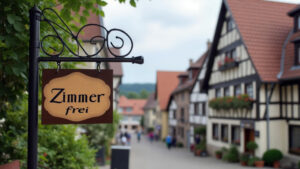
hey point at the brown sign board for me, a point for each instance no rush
(77, 96)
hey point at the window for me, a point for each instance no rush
(224, 133)
(182, 132)
(215, 131)
(182, 96)
(203, 109)
(249, 89)
(235, 135)
(226, 91)
(237, 90)
(128, 109)
(294, 136)
(218, 92)
(174, 114)
(229, 24)
(182, 115)
(298, 22)
(196, 108)
(298, 55)
(231, 54)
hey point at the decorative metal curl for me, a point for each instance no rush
(107, 40)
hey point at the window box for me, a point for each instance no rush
(237, 142)
(234, 103)
(225, 139)
(227, 63)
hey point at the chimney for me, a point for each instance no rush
(191, 62)
(208, 44)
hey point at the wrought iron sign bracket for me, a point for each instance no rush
(108, 40)
(55, 54)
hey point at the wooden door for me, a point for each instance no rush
(249, 136)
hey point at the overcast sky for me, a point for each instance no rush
(167, 33)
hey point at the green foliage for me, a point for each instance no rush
(150, 129)
(299, 164)
(252, 161)
(244, 157)
(232, 155)
(58, 147)
(272, 155)
(179, 144)
(234, 103)
(100, 135)
(201, 146)
(200, 130)
(133, 95)
(219, 152)
(252, 146)
(142, 122)
(137, 88)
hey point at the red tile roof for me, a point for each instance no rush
(115, 66)
(166, 82)
(136, 105)
(264, 26)
(151, 102)
(189, 83)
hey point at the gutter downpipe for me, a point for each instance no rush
(268, 115)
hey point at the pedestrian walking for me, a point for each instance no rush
(169, 141)
(138, 136)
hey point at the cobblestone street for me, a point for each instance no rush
(145, 155)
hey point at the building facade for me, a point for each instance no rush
(253, 68)
(132, 112)
(166, 82)
(198, 101)
(150, 119)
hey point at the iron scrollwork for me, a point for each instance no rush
(106, 39)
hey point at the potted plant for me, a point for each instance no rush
(259, 163)
(244, 159)
(219, 154)
(255, 161)
(272, 157)
(252, 146)
(232, 155)
(198, 150)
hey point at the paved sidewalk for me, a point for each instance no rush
(145, 155)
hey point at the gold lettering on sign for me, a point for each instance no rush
(77, 97)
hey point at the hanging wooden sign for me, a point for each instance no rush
(73, 96)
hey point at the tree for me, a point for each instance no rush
(14, 41)
(144, 94)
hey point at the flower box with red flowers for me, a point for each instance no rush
(227, 63)
(231, 103)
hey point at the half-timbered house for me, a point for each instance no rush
(255, 51)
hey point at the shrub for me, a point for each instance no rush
(299, 165)
(244, 157)
(180, 145)
(200, 130)
(218, 152)
(271, 156)
(252, 161)
(252, 146)
(201, 146)
(232, 155)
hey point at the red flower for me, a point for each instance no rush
(45, 154)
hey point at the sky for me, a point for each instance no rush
(167, 33)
